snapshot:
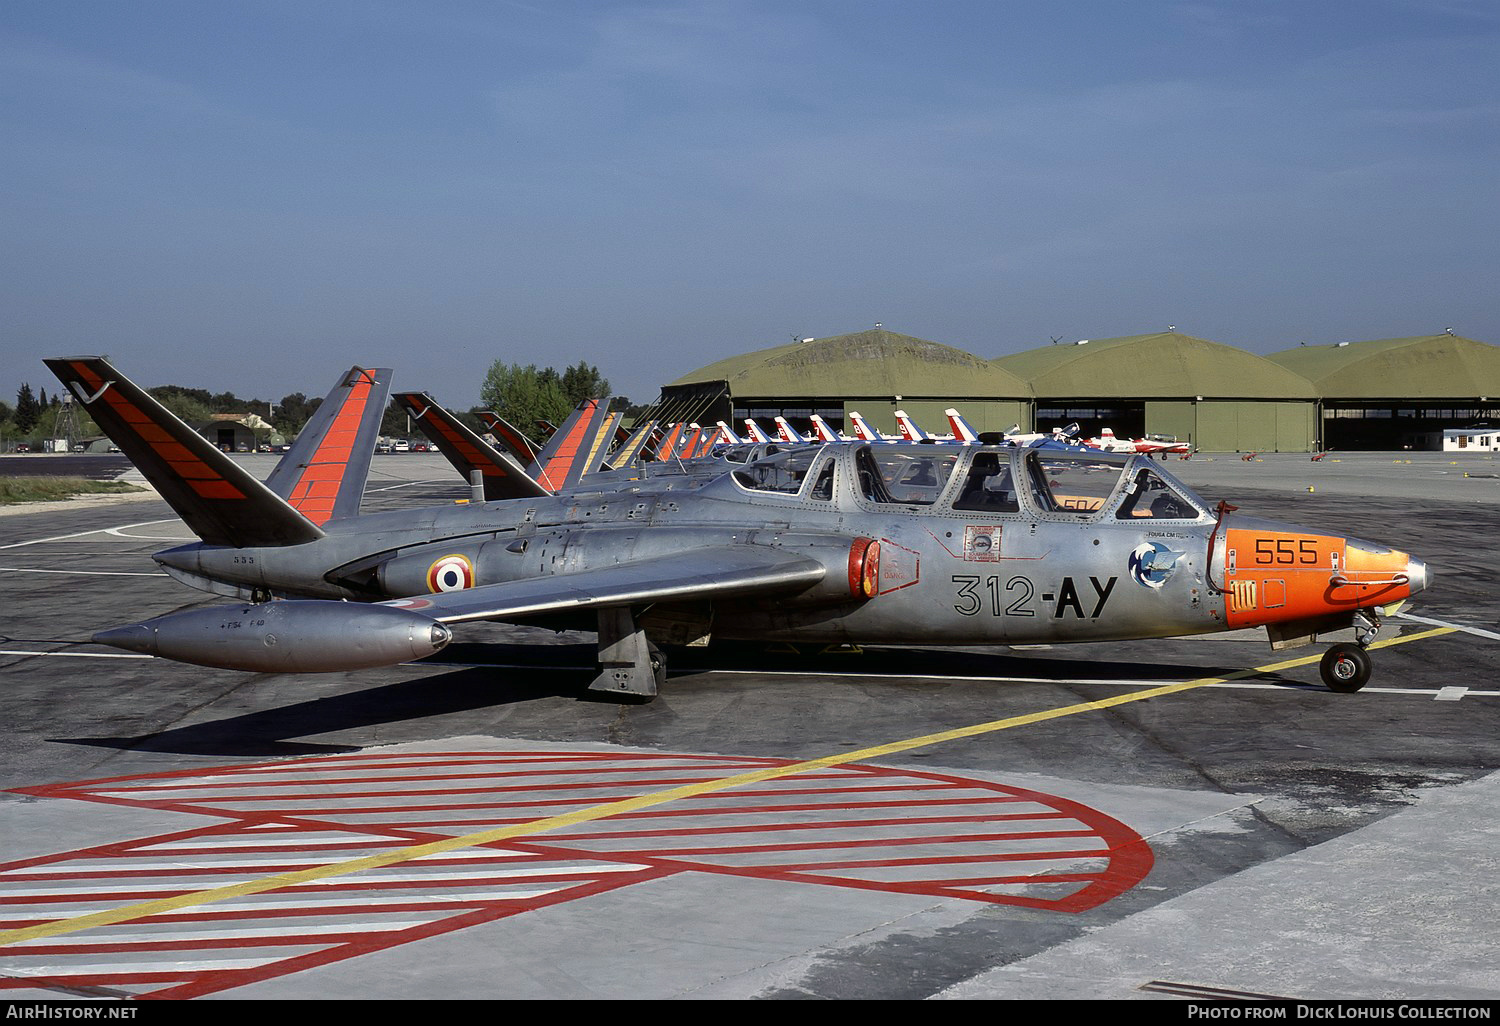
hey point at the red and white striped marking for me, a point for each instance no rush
(851, 826)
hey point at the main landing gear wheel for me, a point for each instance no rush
(1345, 667)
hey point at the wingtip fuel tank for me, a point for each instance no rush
(285, 637)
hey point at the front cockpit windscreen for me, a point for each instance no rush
(1150, 497)
(903, 474)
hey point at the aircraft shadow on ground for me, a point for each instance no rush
(265, 733)
(473, 677)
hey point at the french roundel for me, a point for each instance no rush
(451, 573)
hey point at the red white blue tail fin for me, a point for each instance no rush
(787, 433)
(862, 430)
(962, 431)
(753, 432)
(908, 428)
(824, 432)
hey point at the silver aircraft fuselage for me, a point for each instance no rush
(969, 545)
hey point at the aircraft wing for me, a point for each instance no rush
(701, 575)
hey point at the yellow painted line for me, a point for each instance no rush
(173, 904)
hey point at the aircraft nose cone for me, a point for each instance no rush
(135, 637)
(1419, 578)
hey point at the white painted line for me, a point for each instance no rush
(1478, 632)
(78, 655)
(575, 868)
(1240, 684)
(1450, 694)
(119, 532)
(86, 573)
(286, 932)
(84, 534)
(66, 970)
(951, 678)
(337, 904)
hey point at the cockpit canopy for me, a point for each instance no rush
(967, 480)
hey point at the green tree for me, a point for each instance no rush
(186, 404)
(28, 410)
(524, 395)
(583, 381)
(293, 413)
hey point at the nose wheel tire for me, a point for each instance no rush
(1345, 668)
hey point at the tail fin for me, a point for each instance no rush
(634, 447)
(788, 433)
(863, 431)
(753, 432)
(218, 500)
(706, 442)
(666, 448)
(962, 430)
(519, 446)
(825, 433)
(596, 458)
(908, 427)
(567, 455)
(323, 476)
(503, 476)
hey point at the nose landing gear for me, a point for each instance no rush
(1346, 667)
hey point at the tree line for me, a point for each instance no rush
(521, 394)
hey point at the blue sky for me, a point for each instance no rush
(253, 196)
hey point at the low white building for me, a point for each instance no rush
(1479, 438)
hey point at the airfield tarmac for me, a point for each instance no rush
(984, 825)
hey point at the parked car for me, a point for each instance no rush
(401, 445)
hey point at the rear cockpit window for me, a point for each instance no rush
(903, 476)
(988, 486)
(1076, 486)
(1151, 498)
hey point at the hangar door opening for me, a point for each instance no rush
(1391, 427)
(1126, 418)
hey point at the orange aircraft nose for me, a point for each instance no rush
(1375, 575)
(1280, 573)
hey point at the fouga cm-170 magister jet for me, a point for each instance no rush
(852, 542)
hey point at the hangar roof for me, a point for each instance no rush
(866, 363)
(1425, 367)
(1164, 365)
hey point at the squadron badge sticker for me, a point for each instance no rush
(982, 543)
(1151, 563)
